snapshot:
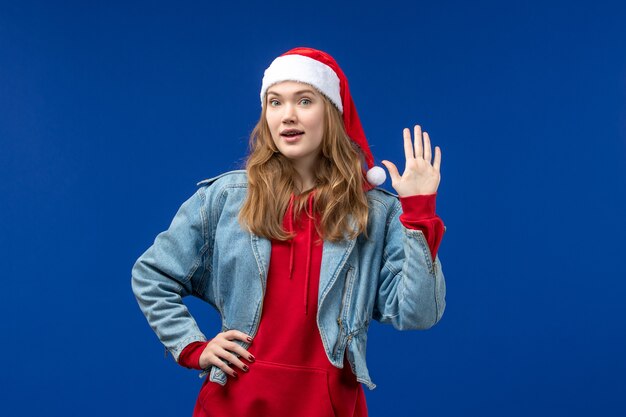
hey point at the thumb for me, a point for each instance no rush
(393, 170)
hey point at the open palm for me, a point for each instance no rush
(421, 174)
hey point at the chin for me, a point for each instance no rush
(291, 156)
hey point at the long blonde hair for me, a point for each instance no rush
(338, 176)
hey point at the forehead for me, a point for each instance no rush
(285, 88)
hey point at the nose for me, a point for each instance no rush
(289, 113)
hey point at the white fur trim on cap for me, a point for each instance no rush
(306, 70)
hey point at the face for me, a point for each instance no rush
(295, 116)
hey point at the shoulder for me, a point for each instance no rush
(230, 185)
(227, 189)
(386, 200)
(384, 206)
(237, 178)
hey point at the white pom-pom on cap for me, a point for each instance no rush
(376, 176)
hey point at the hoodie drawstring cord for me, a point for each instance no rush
(309, 243)
(308, 253)
(290, 223)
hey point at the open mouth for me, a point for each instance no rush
(291, 133)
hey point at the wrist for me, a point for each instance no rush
(415, 194)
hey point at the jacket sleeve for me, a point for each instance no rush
(171, 269)
(411, 286)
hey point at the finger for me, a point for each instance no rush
(393, 170)
(437, 162)
(228, 344)
(418, 141)
(233, 359)
(227, 369)
(236, 334)
(408, 147)
(239, 350)
(427, 150)
(217, 361)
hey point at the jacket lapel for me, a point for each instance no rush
(262, 249)
(334, 257)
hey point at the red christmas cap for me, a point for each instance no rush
(317, 68)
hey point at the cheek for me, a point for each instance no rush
(271, 123)
(320, 126)
(273, 116)
(316, 121)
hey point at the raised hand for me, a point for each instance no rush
(419, 176)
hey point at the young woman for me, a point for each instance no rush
(298, 252)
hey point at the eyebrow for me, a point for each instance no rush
(295, 94)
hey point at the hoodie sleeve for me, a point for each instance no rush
(190, 356)
(418, 213)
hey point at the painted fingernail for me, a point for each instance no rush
(235, 375)
(245, 368)
(249, 339)
(251, 358)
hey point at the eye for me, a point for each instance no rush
(305, 101)
(273, 102)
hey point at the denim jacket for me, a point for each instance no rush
(389, 276)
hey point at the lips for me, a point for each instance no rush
(291, 133)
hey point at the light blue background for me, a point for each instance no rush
(110, 112)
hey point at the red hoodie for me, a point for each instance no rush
(292, 374)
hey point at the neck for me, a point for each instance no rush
(306, 180)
